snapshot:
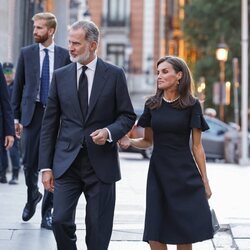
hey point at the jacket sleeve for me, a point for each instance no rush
(125, 116)
(50, 126)
(18, 86)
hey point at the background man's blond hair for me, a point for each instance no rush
(50, 19)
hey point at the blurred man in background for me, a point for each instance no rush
(35, 67)
(6, 123)
(8, 70)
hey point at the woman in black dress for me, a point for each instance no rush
(177, 210)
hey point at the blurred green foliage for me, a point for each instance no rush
(205, 23)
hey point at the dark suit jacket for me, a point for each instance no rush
(27, 80)
(64, 130)
(6, 115)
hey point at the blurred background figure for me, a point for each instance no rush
(6, 124)
(210, 112)
(14, 153)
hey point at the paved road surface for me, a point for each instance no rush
(231, 188)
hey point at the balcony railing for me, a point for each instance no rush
(107, 22)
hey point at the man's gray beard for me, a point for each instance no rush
(81, 58)
(73, 59)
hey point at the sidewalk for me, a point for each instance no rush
(230, 184)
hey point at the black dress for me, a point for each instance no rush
(177, 210)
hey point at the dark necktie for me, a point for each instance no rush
(44, 88)
(83, 92)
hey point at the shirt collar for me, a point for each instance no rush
(91, 65)
(50, 48)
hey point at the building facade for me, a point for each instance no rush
(134, 34)
(130, 37)
(16, 25)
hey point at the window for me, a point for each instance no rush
(116, 12)
(115, 54)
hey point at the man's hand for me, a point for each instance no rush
(124, 142)
(9, 141)
(100, 136)
(48, 180)
(18, 130)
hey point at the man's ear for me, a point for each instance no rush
(93, 46)
(51, 31)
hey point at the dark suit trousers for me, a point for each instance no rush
(3, 152)
(100, 199)
(31, 137)
(14, 156)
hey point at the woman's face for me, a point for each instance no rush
(167, 77)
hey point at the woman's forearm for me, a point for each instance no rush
(140, 143)
(200, 159)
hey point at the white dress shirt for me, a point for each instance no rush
(90, 72)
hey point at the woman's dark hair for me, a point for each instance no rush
(185, 87)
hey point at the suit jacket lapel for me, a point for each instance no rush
(57, 58)
(73, 89)
(36, 63)
(98, 85)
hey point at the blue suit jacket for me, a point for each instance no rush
(27, 80)
(6, 115)
(64, 129)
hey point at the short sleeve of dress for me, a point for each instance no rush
(145, 119)
(197, 119)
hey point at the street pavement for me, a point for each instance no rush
(230, 185)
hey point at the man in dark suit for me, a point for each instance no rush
(34, 71)
(88, 111)
(6, 123)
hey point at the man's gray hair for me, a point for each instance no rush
(90, 28)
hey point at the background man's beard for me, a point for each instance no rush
(41, 39)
